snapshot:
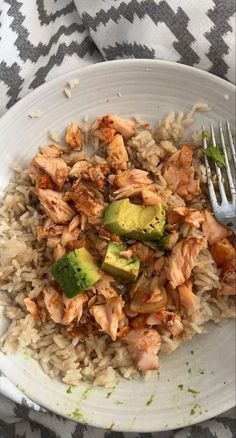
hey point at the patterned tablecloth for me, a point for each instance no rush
(41, 39)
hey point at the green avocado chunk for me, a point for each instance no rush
(119, 266)
(76, 271)
(135, 221)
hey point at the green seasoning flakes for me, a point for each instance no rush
(193, 392)
(77, 415)
(205, 135)
(181, 387)
(216, 154)
(149, 402)
(69, 389)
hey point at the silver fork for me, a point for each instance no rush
(225, 211)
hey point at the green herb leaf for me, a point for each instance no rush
(216, 154)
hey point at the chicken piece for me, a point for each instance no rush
(183, 214)
(213, 230)
(127, 254)
(54, 303)
(181, 261)
(147, 296)
(144, 253)
(117, 156)
(228, 284)
(56, 168)
(41, 234)
(179, 174)
(150, 197)
(131, 190)
(114, 123)
(32, 307)
(44, 182)
(96, 174)
(107, 235)
(55, 207)
(143, 345)
(103, 287)
(104, 134)
(52, 150)
(224, 254)
(79, 168)
(130, 176)
(75, 244)
(74, 136)
(58, 252)
(108, 315)
(168, 320)
(73, 308)
(86, 199)
(187, 297)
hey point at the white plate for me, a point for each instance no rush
(148, 88)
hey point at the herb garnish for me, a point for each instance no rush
(216, 154)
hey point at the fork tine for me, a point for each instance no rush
(228, 169)
(232, 146)
(211, 189)
(218, 171)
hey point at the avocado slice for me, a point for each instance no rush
(75, 272)
(119, 266)
(135, 221)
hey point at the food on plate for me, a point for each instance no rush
(135, 221)
(112, 258)
(120, 262)
(75, 272)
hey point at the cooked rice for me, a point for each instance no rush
(25, 270)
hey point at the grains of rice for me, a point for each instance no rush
(35, 114)
(67, 93)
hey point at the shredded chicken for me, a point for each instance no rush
(54, 304)
(117, 156)
(55, 207)
(74, 137)
(73, 308)
(143, 345)
(169, 320)
(32, 307)
(44, 181)
(130, 176)
(108, 315)
(213, 230)
(187, 297)
(113, 124)
(103, 287)
(181, 261)
(183, 214)
(53, 150)
(56, 168)
(224, 254)
(79, 168)
(86, 199)
(179, 174)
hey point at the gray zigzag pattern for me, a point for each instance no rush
(81, 49)
(160, 12)
(10, 75)
(47, 18)
(26, 49)
(128, 50)
(219, 16)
